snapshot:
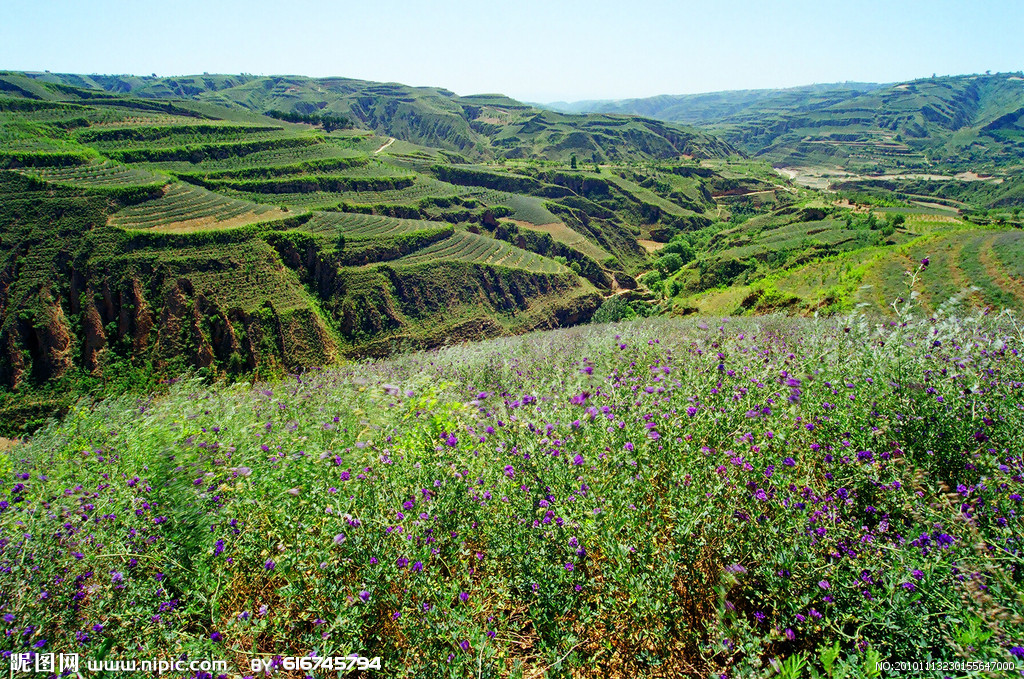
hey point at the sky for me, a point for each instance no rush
(533, 51)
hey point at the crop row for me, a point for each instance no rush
(802, 235)
(183, 202)
(307, 184)
(981, 268)
(182, 140)
(469, 247)
(273, 157)
(333, 165)
(142, 133)
(102, 173)
(357, 225)
(410, 195)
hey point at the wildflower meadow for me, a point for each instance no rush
(748, 497)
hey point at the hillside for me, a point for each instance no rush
(713, 107)
(479, 127)
(935, 125)
(141, 237)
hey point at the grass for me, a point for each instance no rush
(357, 226)
(524, 208)
(563, 234)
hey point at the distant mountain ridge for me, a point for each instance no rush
(959, 122)
(711, 107)
(479, 126)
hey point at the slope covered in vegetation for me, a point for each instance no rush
(480, 126)
(930, 125)
(661, 498)
(143, 235)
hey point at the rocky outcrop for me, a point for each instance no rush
(94, 340)
(52, 341)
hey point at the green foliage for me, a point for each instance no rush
(196, 153)
(327, 121)
(273, 171)
(307, 183)
(614, 309)
(669, 263)
(681, 247)
(502, 182)
(139, 133)
(15, 159)
(651, 279)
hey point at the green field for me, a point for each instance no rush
(100, 173)
(185, 208)
(468, 247)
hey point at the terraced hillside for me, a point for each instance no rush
(143, 236)
(932, 125)
(140, 238)
(184, 208)
(831, 258)
(481, 126)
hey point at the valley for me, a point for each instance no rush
(153, 226)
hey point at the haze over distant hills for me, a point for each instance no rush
(966, 121)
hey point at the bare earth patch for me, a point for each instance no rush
(211, 223)
(650, 245)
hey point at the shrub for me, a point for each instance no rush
(615, 308)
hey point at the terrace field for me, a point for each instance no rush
(183, 208)
(271, 238)
(936, 125)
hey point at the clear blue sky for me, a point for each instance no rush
(537, 51)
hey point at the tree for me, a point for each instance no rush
(682, 248)
(572, 161)
(670, 263)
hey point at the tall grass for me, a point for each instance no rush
(656, 498)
